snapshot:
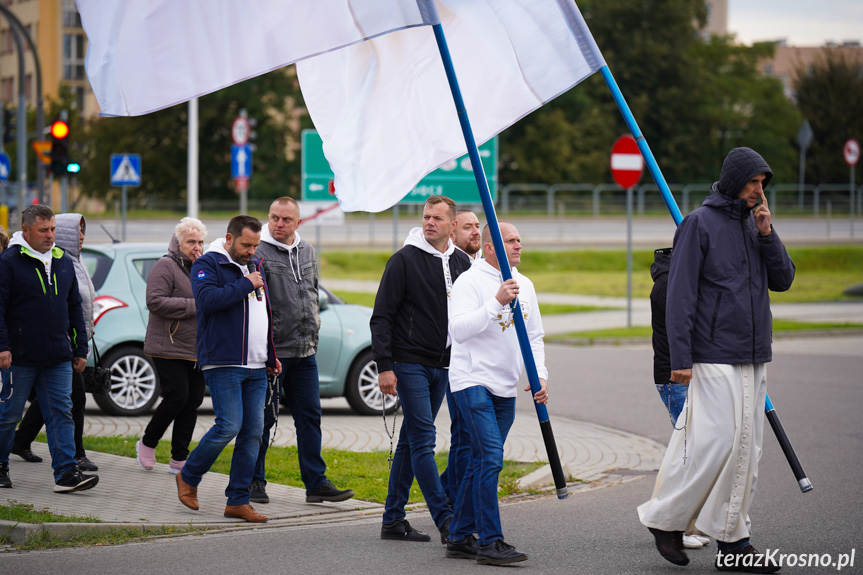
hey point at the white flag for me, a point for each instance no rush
(145, 55)
(384, 109)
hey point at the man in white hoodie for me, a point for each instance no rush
(484, 371)
(292, 280)
(411, 347)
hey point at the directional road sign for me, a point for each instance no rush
(627, 164)
(5, 166)
(241, 161)
(851, 151)
(454, 179)
(125, 169)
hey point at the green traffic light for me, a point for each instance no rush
(73, 168)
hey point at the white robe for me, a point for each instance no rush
(713, 489)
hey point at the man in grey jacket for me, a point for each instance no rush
(726, 257)
(292, 275)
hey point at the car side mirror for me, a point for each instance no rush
(323, 301)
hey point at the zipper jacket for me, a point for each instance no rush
(718, 308)
(42, 317)
(410, 318)
(221, 298)
(292, 278)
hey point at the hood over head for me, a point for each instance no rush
(740, 166)
(67, 238)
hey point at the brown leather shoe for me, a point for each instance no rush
(245, 512)
(670, 545)
(188, 495)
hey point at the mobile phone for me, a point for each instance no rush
(759, 201)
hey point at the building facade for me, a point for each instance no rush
(55, 29)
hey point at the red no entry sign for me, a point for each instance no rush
(627, 164)
(851, 151)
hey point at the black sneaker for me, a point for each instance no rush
(328, 492)
(85, 464)
(444, 531)
(747, 560)
(464, 549)
(402, 531)
(5, 480)
(26, 455)
(258, 492)
(74, 480)
(498, 553)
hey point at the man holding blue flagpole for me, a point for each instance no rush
(484, 372)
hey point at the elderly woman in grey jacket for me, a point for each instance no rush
(71, 229)
(172, 340)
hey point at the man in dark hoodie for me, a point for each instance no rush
(726, 257)
(411, 346)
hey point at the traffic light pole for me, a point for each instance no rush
(20, 30)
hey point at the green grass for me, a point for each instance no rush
(822, 272)
(357, 297)
(365, 473)
(115, 536)
(779, 326)
(26, 513)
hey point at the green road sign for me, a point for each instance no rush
(454, 179)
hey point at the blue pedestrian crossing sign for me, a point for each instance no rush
(5, 166)
(125, 169)
(241, 161)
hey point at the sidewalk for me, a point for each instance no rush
(129, 496)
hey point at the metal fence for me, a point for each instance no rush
(607, 199)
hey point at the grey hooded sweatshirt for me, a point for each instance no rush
(67, 238)
(718, 308)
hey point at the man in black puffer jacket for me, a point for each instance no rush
(726, 257)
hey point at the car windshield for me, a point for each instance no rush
(98, 265)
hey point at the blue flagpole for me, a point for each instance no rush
(500, 252)
(772, 416)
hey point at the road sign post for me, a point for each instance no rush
(627, 165)
(125, 172)
(851, 153)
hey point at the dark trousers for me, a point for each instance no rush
(182, 393)
(33, 419)
(300, 385)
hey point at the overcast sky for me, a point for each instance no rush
(801, 22)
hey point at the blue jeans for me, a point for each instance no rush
(674, 397)
(421, 390)
(487, 419)
(299, 382)
(53, 385)
(459, 451)
(238, 396)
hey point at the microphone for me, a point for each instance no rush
(259, 294)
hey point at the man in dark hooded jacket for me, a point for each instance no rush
(726, 257)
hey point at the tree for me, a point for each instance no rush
(694, 99)
(830, 95)
(272, 100)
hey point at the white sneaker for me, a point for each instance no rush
(704, 539)
(692, 542)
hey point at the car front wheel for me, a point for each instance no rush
(361, 389)
(134, 383)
